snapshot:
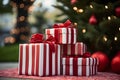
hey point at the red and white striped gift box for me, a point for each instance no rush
(62, 35)
(79, 66)
(38, 59)
(77, 49)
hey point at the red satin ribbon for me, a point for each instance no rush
(67, 24)
(38, 38)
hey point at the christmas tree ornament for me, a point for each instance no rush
(103, 60)
(73, 1)
(117, 11)
(115, 63)
(93, 20)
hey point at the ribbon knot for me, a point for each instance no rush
(38, 38)
(67, 24)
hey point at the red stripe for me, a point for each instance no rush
(67, 66)
(57, 35)
(84, 67)
(72, 35)
(27, 59)
(67, 35)
(37, 59)
(65, 49)
(21, 57)
(33, 58)
(72, 49)
(79, 49)
(75, 66)
(44, 63)
(50, 61)
(56, 59)
(60, 36)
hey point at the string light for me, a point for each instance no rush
(106, 7)
(83, 30)
(32, 0)
(22, 18)
(75, 24)
(114, 17)
(80, 10)
(115, 38)
(119, 28)
(109, 18)
(21, 5)
(105, 38)
(75, 8)
(91, 6)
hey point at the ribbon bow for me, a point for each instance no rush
(63, 25)
(38, 38)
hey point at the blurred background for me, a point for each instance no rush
(97, 23)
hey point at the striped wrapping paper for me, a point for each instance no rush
(38, 59)
(79, 66)
(77, 49)
(62, 35)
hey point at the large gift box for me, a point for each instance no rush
(77, 49)
(79, 66)
(39, 59)
(63, 33)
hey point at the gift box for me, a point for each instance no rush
(79, 66)
(77, 49)
(38, 59)
(64, 34)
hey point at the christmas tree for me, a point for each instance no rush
(97, 23)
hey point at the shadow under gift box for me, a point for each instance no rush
(62, 35)
(38, 59)
(79, 66)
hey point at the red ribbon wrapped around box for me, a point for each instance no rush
(77, 49)
(64, 33)
(79, 66)
(39, 58)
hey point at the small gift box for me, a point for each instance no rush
(79, 66)
(39, 58)
(77, 49)
(63, 33)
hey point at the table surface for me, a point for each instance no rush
(13, 74)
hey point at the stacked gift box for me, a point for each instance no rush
(59, 54)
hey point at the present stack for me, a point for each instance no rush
(59, 54)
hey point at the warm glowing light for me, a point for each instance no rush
(83, 30)
(22, 5)
(12, 40)
(109, 18)
(80, 10)
(105, 38)
(106, 7)
(114, 17)
(22, 18)
(115, 38)
(75, 8)
(32, 0)
(75, 24)
(91, 6)
(119, 28)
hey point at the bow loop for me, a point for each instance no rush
(38, 38)
(67, 24)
